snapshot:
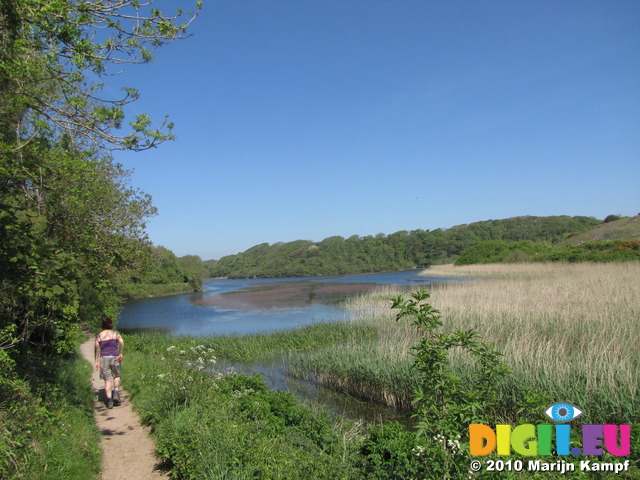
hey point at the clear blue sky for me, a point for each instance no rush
(307, 119)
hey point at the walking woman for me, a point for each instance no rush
(108, 351)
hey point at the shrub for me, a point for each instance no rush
(611, 218)
(445, 405)
(389, 452)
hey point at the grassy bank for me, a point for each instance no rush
(260, 345)
(567, 331)
(46, 420)
(212, 424)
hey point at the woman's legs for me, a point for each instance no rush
(108, 386)
(110, 371)
(116, 390)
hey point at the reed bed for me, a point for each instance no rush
(568, 330)
(361, 370)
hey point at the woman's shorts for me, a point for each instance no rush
(109, 368)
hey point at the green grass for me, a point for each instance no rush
(46, 418)
(260, 345)
(216, 425)
(623, 229)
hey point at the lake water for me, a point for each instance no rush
(243, 306)
(261, 305)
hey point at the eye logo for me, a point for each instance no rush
(562, 412)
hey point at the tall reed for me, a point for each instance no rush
(569, 330)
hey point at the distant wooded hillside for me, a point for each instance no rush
(398, 251)
(615, 239)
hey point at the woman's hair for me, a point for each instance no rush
(107, 323)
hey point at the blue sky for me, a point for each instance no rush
(308, 119)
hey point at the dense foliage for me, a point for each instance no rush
(72, 229)
(46, 421)
(71, 226)
(398, 251)
(499, 251)
(160, 272)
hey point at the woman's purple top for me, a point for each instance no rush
(109, 347)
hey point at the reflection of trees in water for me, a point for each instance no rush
(312, 292)
(285, 295)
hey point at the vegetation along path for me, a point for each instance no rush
(127, 449)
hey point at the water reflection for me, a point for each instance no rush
(244, 306)
(302, 293)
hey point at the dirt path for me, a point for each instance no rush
(127, 449)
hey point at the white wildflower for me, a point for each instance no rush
(453, 445)
(419, 450)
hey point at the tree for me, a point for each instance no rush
(611, 218)
(445, 403)
(70, 224)
(53, 50)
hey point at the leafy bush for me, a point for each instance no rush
(606, 251)
(611, 218)
(497, 251)
(46, 420)
(390, 452)
(445, 405)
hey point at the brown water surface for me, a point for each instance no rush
(284, 295)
